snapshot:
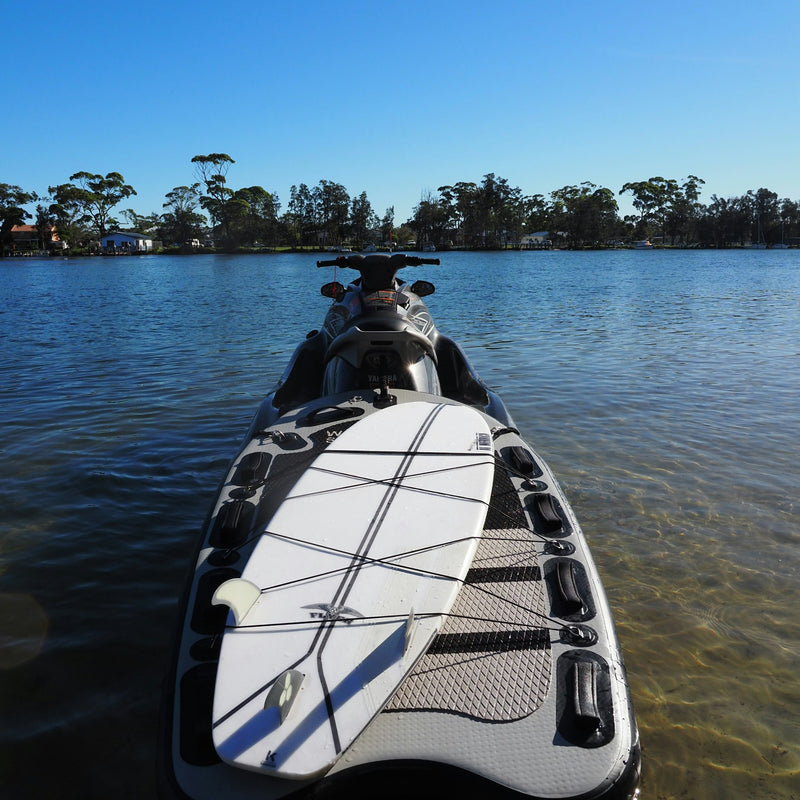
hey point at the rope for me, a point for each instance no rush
(388, 561)
(391, 560)
(395, 617)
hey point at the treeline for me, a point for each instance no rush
(495, 214)
(489, 214)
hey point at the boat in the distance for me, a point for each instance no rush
(391, 594)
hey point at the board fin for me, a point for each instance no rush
(409, 631)
(284, 692)
(239, 595)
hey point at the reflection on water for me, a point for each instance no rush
(661, 387)
(23, 626)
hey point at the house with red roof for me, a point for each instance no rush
(27, 238)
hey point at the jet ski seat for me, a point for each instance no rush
(457, 378)
(303, 377)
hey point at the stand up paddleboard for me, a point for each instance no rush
(348, 584)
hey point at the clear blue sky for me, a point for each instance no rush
(396, 99)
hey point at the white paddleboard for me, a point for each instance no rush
(348, 585)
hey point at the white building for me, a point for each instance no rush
(122, 242)
(535, 241)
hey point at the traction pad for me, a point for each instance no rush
(491, 661)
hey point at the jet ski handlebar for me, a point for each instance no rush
(378, 270)
(359, 262)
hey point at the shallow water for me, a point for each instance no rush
(663, 388)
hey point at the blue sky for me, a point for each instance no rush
(396, 99)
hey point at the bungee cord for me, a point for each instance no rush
(399, 483)
(389, 482)
(392, 560)
(387, 561)
(387, 618)
(392, 482)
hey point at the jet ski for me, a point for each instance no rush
(391, 592)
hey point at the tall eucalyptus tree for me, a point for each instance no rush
(181, 222)
(585, 214)
(333, 203)
(301, 219)
(253, 216)
(212, 171)
(363, 219)
(89, 198)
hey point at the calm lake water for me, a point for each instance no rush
(663, 388)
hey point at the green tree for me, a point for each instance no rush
(668, 193)
(509, 212)
(212, 171)
(333, 206)
(301, 219)
(294, 219)
(790, 219)
(489, 214)
(89, 198)
(728, 221)
(586, 214)
(486, 204)
(387, 226)
(667, 208)
(460, 204)
(253, 214)
(449, 203)
(69, 218)
(45, 222)
(683, 211)
(141, 223)
(12, 211)
(429, 220)
(766, 216)
(181, 222)
(363, 220)
(402, 235)
(536, 213)
(649, 199)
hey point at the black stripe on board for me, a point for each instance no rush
(349, 578)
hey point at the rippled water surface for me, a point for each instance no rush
(662, 387)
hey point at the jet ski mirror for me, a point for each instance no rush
(422, 288)
(334, 290)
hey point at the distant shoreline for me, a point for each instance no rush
(244, 251)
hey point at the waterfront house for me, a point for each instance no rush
(535, 241)
(126, 243)
(26, 238)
